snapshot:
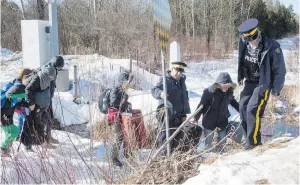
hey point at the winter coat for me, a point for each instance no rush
(271, 62)
(118, 98)
(177, 95)
(35, 95)
(55, 62)
(17, 91)
(215, 103)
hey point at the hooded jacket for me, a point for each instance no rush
(271, 65)
(177, 95)
(118, 98)
(38, 89)
(17, 91)
(215, 103)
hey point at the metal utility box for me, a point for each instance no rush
(35, 43)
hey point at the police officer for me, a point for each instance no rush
(177, 97)
(261, 64)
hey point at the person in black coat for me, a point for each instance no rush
(39, 92)
(178, 100)
(261, 69)
(215, 100)
(118, 103)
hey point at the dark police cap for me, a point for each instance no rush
(248, 26)
(179, 66)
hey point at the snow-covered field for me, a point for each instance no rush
(96, 71)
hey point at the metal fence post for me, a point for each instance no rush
(75, 82)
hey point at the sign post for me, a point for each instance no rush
(162, 20)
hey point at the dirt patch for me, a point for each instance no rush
(81, 130)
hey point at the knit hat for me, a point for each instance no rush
(23, 72)
(124, 76)
(58, 62)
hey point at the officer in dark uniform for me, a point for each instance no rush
(178, 100)
(261, 64)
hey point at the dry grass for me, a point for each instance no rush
(102, 131)
(210, 160)
(263, 148)
(164, 170)
(291, 119)
(292, 94)
(262, 181)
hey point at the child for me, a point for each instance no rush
(215, 100)
(11, 131)
(17, 91)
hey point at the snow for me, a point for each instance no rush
(276, 165)
(96, 72)
(64, 163)
(5, 52)
(297, 109)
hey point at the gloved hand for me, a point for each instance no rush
(163, 95)
(193, 120)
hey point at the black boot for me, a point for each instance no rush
(117, 162)
(249, 147)
(29, 149)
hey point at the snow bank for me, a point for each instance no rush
(277, 165)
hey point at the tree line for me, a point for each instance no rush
(113, 28)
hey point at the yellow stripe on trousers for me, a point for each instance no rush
(257, 120)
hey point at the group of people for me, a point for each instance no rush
(261, 69)
(26, 113)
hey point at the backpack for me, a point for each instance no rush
(103, 102)
(4, 89)
(11, 101)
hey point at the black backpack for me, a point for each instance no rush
(103, 102)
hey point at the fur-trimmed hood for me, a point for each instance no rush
(223, 79)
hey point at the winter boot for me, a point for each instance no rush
(29, 149)
(117, 162)
(249, 147)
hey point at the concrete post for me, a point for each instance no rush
(54, 49)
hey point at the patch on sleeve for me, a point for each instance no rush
(277, 51)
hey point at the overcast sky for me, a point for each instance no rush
(295, 4)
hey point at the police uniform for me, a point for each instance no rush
(263, 69)
(177, 97)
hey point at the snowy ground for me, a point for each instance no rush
(96, 71)
(277, 165)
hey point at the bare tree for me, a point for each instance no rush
(41, 9)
